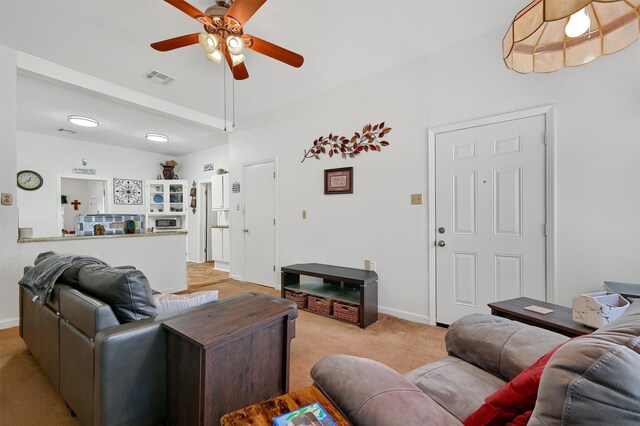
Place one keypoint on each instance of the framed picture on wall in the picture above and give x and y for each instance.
(338, 181)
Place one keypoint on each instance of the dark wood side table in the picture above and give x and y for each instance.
(261, 414)
(229, 355)
(560, 320)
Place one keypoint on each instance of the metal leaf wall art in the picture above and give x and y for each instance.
(371, 139)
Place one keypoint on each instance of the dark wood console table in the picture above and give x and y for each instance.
(560, 320)
(349, 285)
(229, 355)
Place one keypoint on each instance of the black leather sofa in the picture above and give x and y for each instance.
(108, 371)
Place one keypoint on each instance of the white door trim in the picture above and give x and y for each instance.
(273, 160)
(549, 113)
(108, 187)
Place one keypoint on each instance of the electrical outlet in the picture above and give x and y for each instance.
(304, 214)
(373, 266)
(7, 199)
(367, 264)
(416, 198)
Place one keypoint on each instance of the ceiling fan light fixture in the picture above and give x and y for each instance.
(215, 56)
(79, 120)
(237, 59)
(209, 42)
(156, 137)
(235, 45)
(578, 24)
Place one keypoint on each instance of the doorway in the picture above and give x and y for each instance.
(207, 220)
(489, 210)
(80, 196)
(260, 227)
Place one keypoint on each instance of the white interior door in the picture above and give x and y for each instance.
(260, 224)
(490, 216)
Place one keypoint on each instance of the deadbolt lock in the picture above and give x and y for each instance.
(442, 230)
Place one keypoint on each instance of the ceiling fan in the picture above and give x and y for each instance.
(224, 37)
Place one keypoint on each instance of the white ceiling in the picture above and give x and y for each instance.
(340, 40)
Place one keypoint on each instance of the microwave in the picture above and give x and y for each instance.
(168, 223)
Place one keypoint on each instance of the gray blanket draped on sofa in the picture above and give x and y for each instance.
(48, 268)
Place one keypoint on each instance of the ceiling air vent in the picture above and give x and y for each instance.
(158, 77)
(61, 130)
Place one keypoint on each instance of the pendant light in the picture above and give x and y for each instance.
(550, 34)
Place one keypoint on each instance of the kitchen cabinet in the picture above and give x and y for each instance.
(166, 198)
(220, 192)
(220, 244)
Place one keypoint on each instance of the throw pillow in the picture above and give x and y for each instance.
(167, 303)
(513, 403)
(126, 291)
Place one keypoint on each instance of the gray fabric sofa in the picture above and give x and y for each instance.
(591, 380)
(109, 371)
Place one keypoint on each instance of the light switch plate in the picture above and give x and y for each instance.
(416, 198)
(7, 199)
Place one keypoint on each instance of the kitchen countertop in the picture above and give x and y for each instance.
(220, 226)
(71, 237)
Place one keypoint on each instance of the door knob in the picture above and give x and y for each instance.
(245, 230)
(441, 243)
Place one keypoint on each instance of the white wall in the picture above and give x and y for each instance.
(10, 268)
(598, 198)
(53, 157)
(193, 167)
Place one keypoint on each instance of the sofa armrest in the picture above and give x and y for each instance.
(369, 393)
(498, 345)
(130, 374)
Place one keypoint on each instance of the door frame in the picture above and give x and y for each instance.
(108, 188)
(202, 209)
(548, 111)
(276, 260)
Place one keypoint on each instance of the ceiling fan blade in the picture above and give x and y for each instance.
(190, 10)
(239, 71)
(241, 10)
(174, 43)
(276, 52)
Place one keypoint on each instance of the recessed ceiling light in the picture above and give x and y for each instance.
(156, 137)
(83, 121)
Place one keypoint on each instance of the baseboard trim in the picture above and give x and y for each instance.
(236, 277)
(9, 322)
(409, 316)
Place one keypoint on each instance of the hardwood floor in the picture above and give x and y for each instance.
(201, 274)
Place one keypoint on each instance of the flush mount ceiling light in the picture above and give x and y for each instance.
(79, 120)
(550, 34)
(156, 137)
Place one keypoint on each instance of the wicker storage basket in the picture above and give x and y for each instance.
(346, 312)
(299, 298)
(320, 305)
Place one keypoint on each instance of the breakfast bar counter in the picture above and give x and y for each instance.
(72, 237)
(161, 256)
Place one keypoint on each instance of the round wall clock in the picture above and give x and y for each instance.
(29, 180)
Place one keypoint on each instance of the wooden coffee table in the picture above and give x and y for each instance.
(262, 414)
(560, 320)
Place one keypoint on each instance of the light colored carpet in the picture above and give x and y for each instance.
(27, 397)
